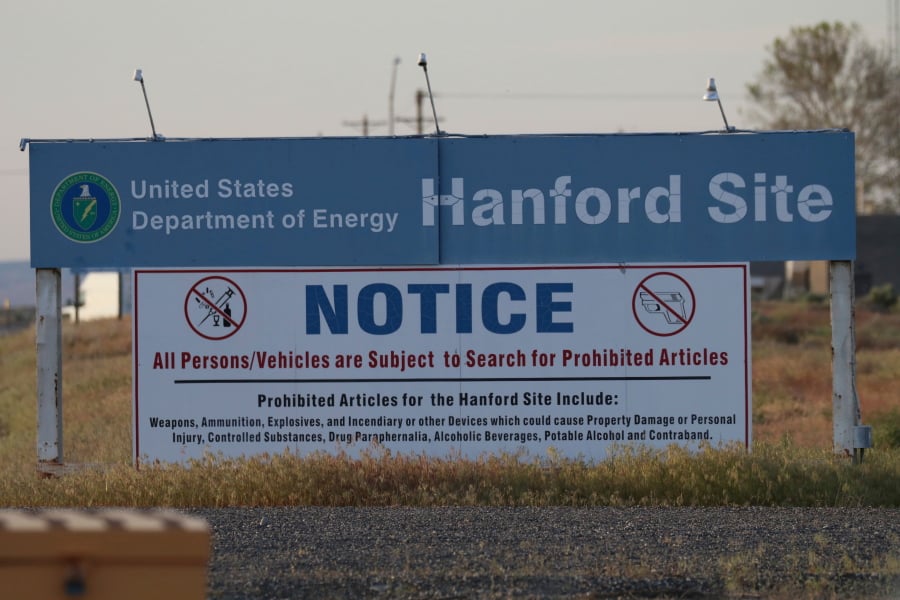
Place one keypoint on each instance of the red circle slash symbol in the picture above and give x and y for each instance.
(215, 307)
(663, 304)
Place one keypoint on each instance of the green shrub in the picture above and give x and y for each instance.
(815, 298)
(886, 430)
(882, 297)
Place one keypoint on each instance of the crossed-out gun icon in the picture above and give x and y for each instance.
(672, 310)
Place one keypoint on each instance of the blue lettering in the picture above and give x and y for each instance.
(428, 303)
(546, 307)
(380, 307)
(317, 304)
(365, 309)
(464, 308)
(490, 307)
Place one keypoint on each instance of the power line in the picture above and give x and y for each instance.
(610, 96)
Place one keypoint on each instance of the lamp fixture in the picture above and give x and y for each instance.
(712, 95)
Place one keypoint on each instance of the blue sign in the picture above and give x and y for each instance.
(230, 202)
(449, 200)
(640, 198)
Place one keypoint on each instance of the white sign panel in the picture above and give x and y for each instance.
(440, 361)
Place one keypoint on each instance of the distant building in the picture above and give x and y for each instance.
(767, 279)
(877, 259)
(877, 252)
(101, 295)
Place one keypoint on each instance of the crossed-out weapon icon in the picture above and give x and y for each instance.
(219, 310)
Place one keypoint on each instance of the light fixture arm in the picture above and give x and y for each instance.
(722, 110)
(149, 114)
(139, 77)
(423, 62)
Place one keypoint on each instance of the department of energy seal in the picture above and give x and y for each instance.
(85, 207)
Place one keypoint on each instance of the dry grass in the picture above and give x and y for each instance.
(792, 371)
(791, 463)
(770, 476)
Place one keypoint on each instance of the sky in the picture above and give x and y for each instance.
(298, 68)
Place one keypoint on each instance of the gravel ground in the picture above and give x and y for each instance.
(482, 552)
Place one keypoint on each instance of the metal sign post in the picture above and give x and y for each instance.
(48, 336)
(850, 438)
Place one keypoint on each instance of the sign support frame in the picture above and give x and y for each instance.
(845, 401)
(849, 436)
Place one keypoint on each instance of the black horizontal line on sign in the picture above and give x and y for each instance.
(448, 379)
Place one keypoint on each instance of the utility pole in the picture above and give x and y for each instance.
(420, 98)
(364, 124)
(418, 120)
(391, 97)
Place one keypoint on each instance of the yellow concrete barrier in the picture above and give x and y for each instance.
(106, 554)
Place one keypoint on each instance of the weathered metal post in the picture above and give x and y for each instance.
(48, 336)
(850, 438)
(120, 287)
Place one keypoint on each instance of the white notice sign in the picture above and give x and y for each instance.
(440, 361)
